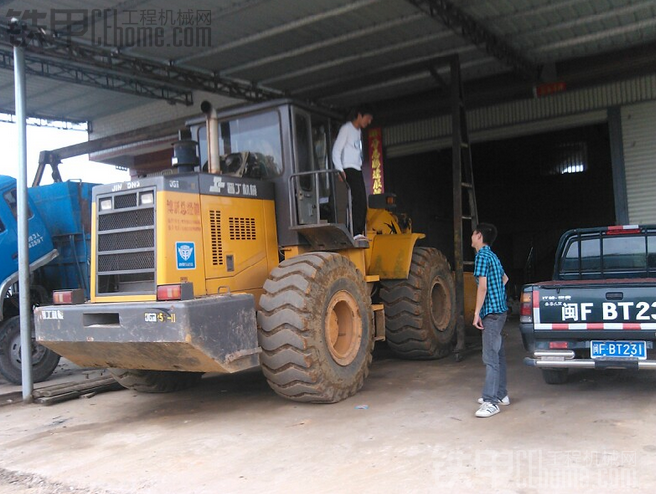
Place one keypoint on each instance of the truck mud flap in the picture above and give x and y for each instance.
(212, 334)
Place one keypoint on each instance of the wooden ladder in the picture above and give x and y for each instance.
(463, 182)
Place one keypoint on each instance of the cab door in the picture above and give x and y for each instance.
(305, 186)
(320, 197)
(39, 241)
(8, 243)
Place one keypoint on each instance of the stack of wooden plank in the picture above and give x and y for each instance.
(49, 395)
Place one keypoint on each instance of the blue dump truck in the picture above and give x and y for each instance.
(59, 236)
(599, 311)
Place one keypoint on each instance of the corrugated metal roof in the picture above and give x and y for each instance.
(309, 48)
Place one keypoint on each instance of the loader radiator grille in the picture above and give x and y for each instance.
(242, 228)
(125, 262)
(125, 201)
(126, 246)
(126, 240)
(215, 233)
(126, 219)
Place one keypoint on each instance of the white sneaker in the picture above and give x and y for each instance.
(360, 237)
(505, 402)
(487, 410)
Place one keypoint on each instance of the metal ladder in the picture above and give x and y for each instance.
(463, 182)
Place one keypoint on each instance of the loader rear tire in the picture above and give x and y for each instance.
(315, 328)
(44, 360)
(420, 312)
(151, 381)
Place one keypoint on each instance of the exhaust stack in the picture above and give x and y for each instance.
(212, 137)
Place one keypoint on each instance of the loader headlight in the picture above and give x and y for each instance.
(146, 198)
(105, 204)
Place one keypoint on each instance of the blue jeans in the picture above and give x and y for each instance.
(494, 358)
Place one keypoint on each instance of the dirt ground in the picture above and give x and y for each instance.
(410, 430)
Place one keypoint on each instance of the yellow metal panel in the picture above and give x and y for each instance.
(391, 255)
(179, 220)
(240, 242)
(271, 232)
(382, 222)
(357, 257)
(470, 296)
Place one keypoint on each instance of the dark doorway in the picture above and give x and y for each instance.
(533, 188)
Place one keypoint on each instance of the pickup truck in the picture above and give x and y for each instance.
(599, 311)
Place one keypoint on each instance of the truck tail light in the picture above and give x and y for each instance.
(621, 230)
(526, 307)
(68, 297)
(558, 345)
(181, 291)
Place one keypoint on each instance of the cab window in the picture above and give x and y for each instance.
(12, 201)
(610, 256)
(248, 146)
(252, 145)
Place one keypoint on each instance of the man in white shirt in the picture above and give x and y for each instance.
(347, 158)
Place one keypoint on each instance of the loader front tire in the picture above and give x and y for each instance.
(420, 312)
(151, 381)
(315, 328)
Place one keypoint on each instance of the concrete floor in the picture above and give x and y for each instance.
(411, 429)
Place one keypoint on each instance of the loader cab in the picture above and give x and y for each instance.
(289, 144)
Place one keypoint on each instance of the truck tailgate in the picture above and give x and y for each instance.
(595, 306)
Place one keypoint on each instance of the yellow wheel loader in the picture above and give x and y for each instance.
(242, 255)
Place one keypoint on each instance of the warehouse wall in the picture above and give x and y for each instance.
(562, 110)
(639, 142)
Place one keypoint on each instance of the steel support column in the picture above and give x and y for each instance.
(16, 34)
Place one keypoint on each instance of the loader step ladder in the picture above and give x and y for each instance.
(463, 182)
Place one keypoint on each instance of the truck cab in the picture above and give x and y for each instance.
(40, 245)
(58, 245)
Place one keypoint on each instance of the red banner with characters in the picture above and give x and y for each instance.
(373, 172)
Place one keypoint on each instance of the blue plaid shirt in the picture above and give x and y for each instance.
(487, 264)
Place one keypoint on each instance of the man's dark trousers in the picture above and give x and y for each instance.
(358, 199)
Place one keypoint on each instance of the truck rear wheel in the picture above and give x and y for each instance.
(44, 361)
(315, 328)
(151, 381)
(554, 376)
(420, 312)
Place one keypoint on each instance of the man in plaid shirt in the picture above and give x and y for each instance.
(489, 317)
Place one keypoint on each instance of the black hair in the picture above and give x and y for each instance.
(488, 231)
(363, 109)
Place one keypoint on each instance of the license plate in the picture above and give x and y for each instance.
(618, 349)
